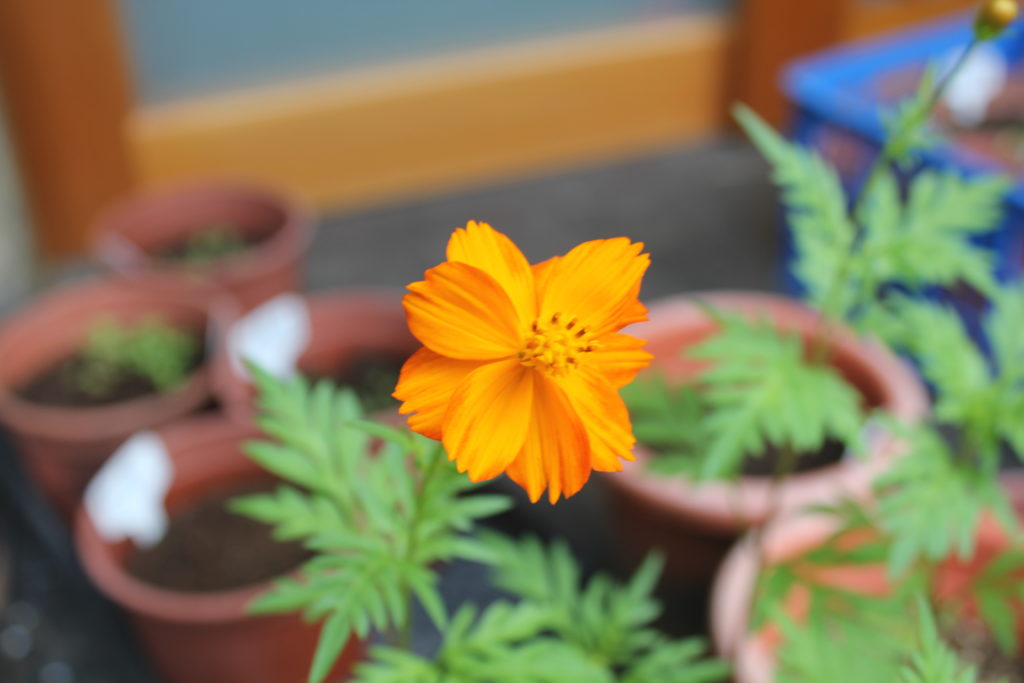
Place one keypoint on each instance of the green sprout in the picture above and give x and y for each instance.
(212, 244)
(149, 348)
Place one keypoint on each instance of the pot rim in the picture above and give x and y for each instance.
(292, 238)
(109, 574)
(106, 421)
(729, 507)
(231, 388)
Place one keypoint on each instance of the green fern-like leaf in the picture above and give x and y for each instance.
(378, 522)
(926, 241)
(932, 661)
(922, 242)
(504, 643)
(982, 399)
(930, 503)
(887, 647)
(1003, 327)
(761, 390)
(815, 205)
(998, 593)
(607, 621)
(907, 131)
(836, 650)
(853, 544)
(668, 420)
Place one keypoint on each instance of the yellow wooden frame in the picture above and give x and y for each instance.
(411, 129)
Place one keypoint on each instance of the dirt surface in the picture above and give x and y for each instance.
(764, 465)
(973, 643)
(212, 245)
(57, 386)
(209, 548)
(373, 376)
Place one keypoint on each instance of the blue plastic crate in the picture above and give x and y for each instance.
(839, 97)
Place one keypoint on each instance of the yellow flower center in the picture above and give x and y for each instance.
(556, 345)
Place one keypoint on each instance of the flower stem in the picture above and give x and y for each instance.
(784, 467)
(404, 636)
(887, 155)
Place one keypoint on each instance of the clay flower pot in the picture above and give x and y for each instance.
(63, 446)
(206, 637)
(319, 335)
(132, 235)
(753, 654)
(695, 524)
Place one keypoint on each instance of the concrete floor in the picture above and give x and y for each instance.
(707, 215)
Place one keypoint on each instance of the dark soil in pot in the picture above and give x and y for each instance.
(243, 239)
(765, 464)
(973, 643)
(209, 548)
(373, 376)
(208, 245)
(58, 386)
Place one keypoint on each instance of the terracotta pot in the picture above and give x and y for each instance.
(205, 637)
(342, 326)
(753, 654)
(696, 524)
(63, 446)
(130, 235)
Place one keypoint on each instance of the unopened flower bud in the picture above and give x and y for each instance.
(993, 17)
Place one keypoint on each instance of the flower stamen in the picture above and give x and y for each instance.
(555, 348)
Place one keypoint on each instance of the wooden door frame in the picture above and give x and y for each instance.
(67, 96)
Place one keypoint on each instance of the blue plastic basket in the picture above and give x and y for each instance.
(839, 97)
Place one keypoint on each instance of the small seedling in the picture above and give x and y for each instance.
(149, 348)
(211, 244)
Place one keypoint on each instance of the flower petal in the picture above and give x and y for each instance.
(488, 418)
(554, 455)
(542, 271)
(618, 357)
(636, 312)
(425, 386)
(480, 245)
(460, 311)
(597, 282)
(604, 417)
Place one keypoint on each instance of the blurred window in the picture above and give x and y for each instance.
(181, 48)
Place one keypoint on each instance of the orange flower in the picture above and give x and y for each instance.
(520, 366)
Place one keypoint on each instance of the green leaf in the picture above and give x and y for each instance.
(995, 590)
(608, 622)
(927, 241)
(932, 661)
(1003, 328)
(930, 504)
(151, 348)
(668, 420)
(815, 205)
(906, 127)
(761, 390)
(379, 519)
(333, 636)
